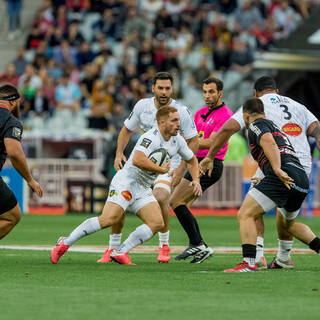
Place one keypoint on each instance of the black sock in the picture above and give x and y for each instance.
(315, 245)
(249, 251)
(189, 224)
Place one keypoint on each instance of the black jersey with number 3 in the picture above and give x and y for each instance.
(10, 127)
(256, 130)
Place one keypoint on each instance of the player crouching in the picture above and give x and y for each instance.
(131, 188)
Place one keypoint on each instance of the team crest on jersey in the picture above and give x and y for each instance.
(127, 195)
(16, 132)
(113, 193)
(292, 129)
(145, 142)
(201, 134)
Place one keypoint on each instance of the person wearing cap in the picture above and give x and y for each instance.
(10, 145)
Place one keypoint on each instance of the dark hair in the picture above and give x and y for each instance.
(162, 76)
(164, 112)
(265, 83)
(218, 82)
(253, 106)
(8, 92)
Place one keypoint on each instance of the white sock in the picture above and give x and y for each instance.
(260, 248)
(163, 238)
(86, 227)
(138, 236)
(284, 249)
(115, 240)
(251, 261)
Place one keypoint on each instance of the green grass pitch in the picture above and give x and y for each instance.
(79, 288)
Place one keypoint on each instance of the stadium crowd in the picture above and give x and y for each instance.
(99, 56)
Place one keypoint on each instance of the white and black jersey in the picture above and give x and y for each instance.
(149, 142)
(143, 117)
(292, 118)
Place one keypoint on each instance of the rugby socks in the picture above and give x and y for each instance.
(138, 236)
(284, 249)
(115, 240)
(315, 245)
(189, 224)
(249, 252)
(163, 238)
(260, 248)
(85, 228)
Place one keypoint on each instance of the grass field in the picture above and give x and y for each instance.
(79, 288)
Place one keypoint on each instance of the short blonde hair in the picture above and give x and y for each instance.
(164, 112)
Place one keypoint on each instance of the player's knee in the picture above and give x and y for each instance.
(174, 203)
(161, 196)
(156, 225)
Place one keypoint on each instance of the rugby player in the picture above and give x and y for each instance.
(131, 187)
(285, 185)
(10, 145)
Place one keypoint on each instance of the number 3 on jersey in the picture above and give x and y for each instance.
(285, 110)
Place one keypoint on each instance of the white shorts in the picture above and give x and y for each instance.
(127, 193)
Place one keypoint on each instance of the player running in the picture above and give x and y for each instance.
(131, 187)
(208, 121)
(285, 185)
(143, 116)
(10, 145)
(297, 122)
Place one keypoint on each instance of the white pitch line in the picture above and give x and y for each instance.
(141, 249)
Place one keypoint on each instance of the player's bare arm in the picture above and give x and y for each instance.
(206, 143)
(141, 161)
(271, 151)
(18, 160)
(314, 131)
(194, 172)
(227, 130)
(123, 140)
(177, 173)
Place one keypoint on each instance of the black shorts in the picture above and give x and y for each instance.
(205, 180)
(291, 200)
(7, 198)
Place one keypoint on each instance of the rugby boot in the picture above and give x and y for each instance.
(277, 263)
(164, 254)
(59, 250)
(106, 256)
(242, 267)
(121, 258)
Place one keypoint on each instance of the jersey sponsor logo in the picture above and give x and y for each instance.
(127, 195)
(255, 129)
(16, 132)
(292, 129)
(113, 193)
(201, 134)
(145, 142)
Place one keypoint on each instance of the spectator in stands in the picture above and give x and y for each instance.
(201, 73)
(227, 6)
(30, 79)
(68, 94)
(286, 18)
(14, 11)
(10, 75)
(74, 36)
(221, 55)
(53, 69)
(261, 6)
(55, 36)
(91, 74)
(101, 106)
(175, 7)
(246, 16)
(241, 58)
(145, 56)
(48, 91)
(62, 18)
(108, 25)
(109, 64)
(20, 62)
(77, 5)
(265, 36)
(85, 55)
(64, 54)
(162, 22)
(44, 20)
(134, 23)
(34, 38)
(39, 105)
(150, 8)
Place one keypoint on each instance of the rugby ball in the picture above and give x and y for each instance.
(159, 157)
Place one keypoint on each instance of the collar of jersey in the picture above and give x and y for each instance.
(205, 116)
